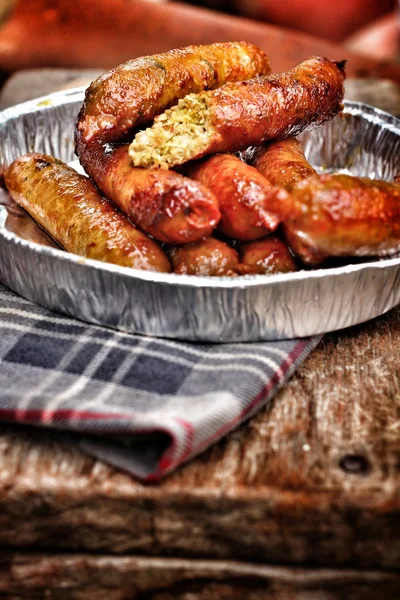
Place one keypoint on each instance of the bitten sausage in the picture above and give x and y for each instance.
(283, 162)
(243, 196)
(268, 256)
(172, 208)
(69, 208)
(207, 257)
(242, 114)
(132, 94)
(341, 215)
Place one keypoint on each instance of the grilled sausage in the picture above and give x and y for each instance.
(268, 256)
(330, 215)
(243, 196)
(207, 257)
(172, 208)
(69, 208)
(242, 114)
(341, 215)
(283, 162)
(132, 94)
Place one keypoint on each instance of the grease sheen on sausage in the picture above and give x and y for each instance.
(210, 257)
(130, 96)
(268, 256)
(172, 208)
(329, 215)
(243, 196)
(238, 115)
(283, 162)
(68, 206)
(341, 215)
(133, 93)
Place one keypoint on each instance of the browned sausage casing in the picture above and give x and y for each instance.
(243, 196)
(169, 207)
(268, 256)
(207, 257)
(69, 208)
(132, 94)
(172, 208)
(340, 215)
(242, 114)
(283, 162)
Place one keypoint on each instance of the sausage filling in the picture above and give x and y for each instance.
(176, 135)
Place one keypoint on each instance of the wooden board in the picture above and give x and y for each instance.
(89, 577)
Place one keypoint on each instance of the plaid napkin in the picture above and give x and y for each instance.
(143, 404)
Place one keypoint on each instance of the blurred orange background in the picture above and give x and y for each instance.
(103, 33)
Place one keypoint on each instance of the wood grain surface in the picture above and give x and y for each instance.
(312, 480)
(83, 33)
(89, 577)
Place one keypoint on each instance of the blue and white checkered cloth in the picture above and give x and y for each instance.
(143, 404)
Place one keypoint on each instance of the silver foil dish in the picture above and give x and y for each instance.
(364, 141)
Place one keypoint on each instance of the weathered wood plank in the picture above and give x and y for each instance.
(313, 479)
(81, 577)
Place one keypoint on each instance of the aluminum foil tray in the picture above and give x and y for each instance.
(364, 141)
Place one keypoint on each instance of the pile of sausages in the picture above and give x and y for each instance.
(249, 204)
